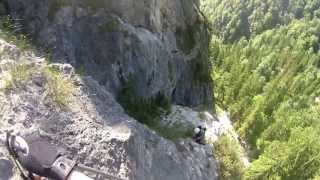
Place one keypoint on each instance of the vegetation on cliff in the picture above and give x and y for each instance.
(267, 74)
(227, 152)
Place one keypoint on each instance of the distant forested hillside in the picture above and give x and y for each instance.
(233, 19)
(267, 74)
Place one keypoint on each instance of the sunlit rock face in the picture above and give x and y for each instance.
(92, 128)
(162, 46)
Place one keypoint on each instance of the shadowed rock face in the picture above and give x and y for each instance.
(161, 45)
(93, 128)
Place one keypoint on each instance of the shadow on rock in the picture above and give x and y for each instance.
(6, 169)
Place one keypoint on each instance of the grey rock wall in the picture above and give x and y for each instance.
(93, 128)
(161, 45)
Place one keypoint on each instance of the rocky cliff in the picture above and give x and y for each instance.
(92, 127)
(161, 45)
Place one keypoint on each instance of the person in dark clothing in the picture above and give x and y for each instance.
(199, 135)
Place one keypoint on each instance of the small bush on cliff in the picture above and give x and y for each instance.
(59, 87)
(145, 110)
(112, 25)
(227, 152)
(9, 32)
(149, 110)
(18, 75)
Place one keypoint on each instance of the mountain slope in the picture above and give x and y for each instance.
(88, 122)
(233, 20)
(269, 81)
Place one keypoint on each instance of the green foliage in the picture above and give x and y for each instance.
(7, 32)
(234, 19)
(317, 176)
(227, 151)
(149, 110)
(96, 4)
(269, 83)
(297, 158)
(254, 78)
(112, 25)
(60, 88)
(18, 76)
(145, 110)
(186, 38)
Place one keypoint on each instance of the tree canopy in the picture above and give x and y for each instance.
(233, 19)
(267, 75)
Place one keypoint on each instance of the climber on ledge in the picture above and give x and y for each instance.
(199, 135)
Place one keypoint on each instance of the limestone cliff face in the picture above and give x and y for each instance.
(161, 45)
(93, 127)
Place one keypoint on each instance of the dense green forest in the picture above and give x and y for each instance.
(233, 19)
(267, 75)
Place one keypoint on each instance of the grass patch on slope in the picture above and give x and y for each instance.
(228, 154)
(59, 87)
(18, 76)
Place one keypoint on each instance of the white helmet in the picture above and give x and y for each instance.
(196, 130)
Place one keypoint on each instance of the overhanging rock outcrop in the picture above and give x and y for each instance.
(160, 45)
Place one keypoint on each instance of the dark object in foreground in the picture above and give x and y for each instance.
(33, 155)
